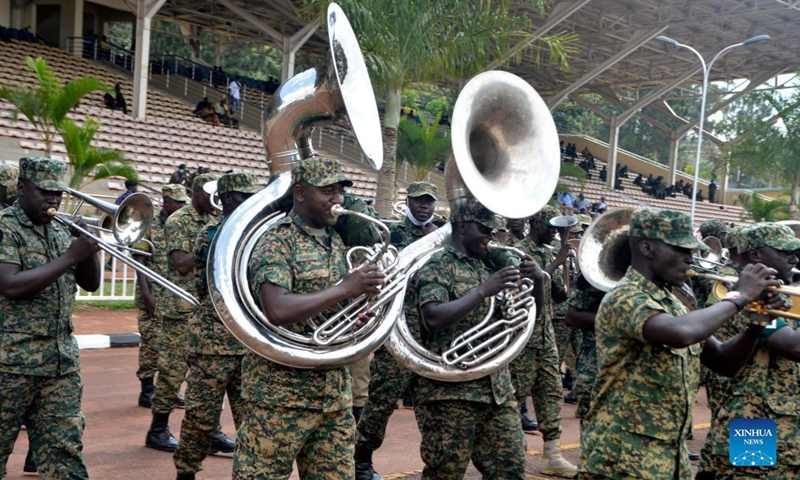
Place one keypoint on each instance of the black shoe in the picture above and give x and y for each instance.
(146, 395)
(408, 402)
(221, 443)
(694, 456)
(185, 476)
(706, 476)
(364, 471)
(30, 463)
(690, 436)
(528, 423)
(570, 398)
(566, 381)
(159, 436)
(357, 413)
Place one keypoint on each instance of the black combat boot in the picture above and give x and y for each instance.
(146, 395)
(357, 413)
(221, 443)
(364, 470)
(185, 476)
(159, 436)
(528, 423)
(30, 463)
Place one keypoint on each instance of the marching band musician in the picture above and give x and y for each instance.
(216, 358)
(649, 351)
(474, 420)
(297, 272)
(40, 269)
(768, 386)
(389, 380)
(173, 198)
(8, 185)
(181, 229)
(583, 304)
(536, 371)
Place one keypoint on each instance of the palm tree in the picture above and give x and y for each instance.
(47, 106)
(89, 163)
(761, 210)
(443, 40)
(421, 146)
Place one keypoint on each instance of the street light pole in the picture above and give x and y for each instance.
(703, 91)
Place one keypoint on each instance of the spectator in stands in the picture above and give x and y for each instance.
(618, 184)
(638, 180)
(585, 152)
(601, 206)
(131, 187)
(603, 174)
(234, 88)
(699, 195)
(227, 115)
(582, 203)
(116, 101)
(180, 175)
(712, 191)
(623, 172)
(104, 50)
(565, 202)
(205, 110)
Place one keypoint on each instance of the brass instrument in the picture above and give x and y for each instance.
(603, 253)
(211, 189)
(505, 155)
(563, 224)
(720, 290)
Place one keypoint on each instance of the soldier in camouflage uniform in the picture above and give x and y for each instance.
(174, 197)
(565, 335)
(181, 229)
(583, 305)
(536, 371)
(8, 185)
(40, 265)
(389, 380)
(649, 352)
(297, 272)
(474, 420)
(769, 384)
(516, 231)
(216, 358)
(702, 286)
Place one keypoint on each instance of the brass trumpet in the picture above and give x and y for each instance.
(720, 290)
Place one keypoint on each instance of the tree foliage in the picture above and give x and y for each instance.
(421, 145)
(758, 209)
(90, 163)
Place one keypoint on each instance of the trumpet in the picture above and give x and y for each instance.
(720, 290)
(563, 224)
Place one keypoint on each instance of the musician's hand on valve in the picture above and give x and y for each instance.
(364, 317)
(774, 301)
(499, 281)
(364, 280)
(563, 255)
(754, 279)
(530, 269)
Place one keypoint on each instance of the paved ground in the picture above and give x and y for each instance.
(115, 430)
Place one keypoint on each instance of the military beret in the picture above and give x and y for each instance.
(320, 172)
(45, 173)
(669, 226)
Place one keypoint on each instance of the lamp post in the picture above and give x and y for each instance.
(704, 89)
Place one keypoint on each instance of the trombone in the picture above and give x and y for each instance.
(130, 222)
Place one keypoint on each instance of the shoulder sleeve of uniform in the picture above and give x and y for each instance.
(497, 258)
(201, 244)
(9, 243)
(271, 259)
(173, 232)
(627, 310)
(433, 281)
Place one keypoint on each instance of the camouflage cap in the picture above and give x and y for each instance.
(577, 228)
(175, 192)
(419, 189)
(669, 226)
(202, 179)
(45, 173)
(320, 172)
(546, 214)
(735, 237)
(779, 237)
(237, 182)
(585, 220)
(471, 210)
(714, 228)
(9, 174)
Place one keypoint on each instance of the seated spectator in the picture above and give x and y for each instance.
(565, 201)
(699, 195)
(205, 110)
(585, 152)
(650, 181)
(623, 172)
(582, 203)
(179, 176)
(131, 187)
(601, 206)
(618, 184)
(603, 174)
(638, 180)
(116, 101)
(227, 115)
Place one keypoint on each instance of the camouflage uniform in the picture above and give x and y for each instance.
(9, 175)
(702, 286)
(585, 298)
(40, 380)
(181, 230)
(642, 401)
(216, 355)
(389, 380)
(768, 386)
(536, 371)
(296, 414)
(476, 420)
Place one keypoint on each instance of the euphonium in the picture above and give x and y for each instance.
(340, 94)
(505, 154)
(603, 255)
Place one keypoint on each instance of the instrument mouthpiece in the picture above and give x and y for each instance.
(52, 212)
(338, 210)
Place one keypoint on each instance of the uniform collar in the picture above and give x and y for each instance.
(648, 287)
(22, 217)
(302, 225)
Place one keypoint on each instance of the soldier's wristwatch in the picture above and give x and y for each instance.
(737, 299)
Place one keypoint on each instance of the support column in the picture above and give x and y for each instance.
(145, 11)
(613, 146)
(290, 47)
(722, 191)
(71, 21)
(5, 13)
(672, 164)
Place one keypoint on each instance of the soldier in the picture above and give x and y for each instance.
(516, 231)
(217, 355)
(701, 286)
(768, 387)
(536, 371)
(649, 353)
(181, 228)
(8, 185)
(474, 420)
(582, 309)
(174, 197)
(389, 380)
(40, 265)
(297, 272)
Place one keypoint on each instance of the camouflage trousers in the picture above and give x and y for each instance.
(272, 437)
(535, 372)
(711, 382)
(50, 407)
(388, 382)
(210, 378)
(359, 372)
(585, 375)
(457, 431)
(725, 471)
(149, 334)
(173, 349)
(562, 332)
